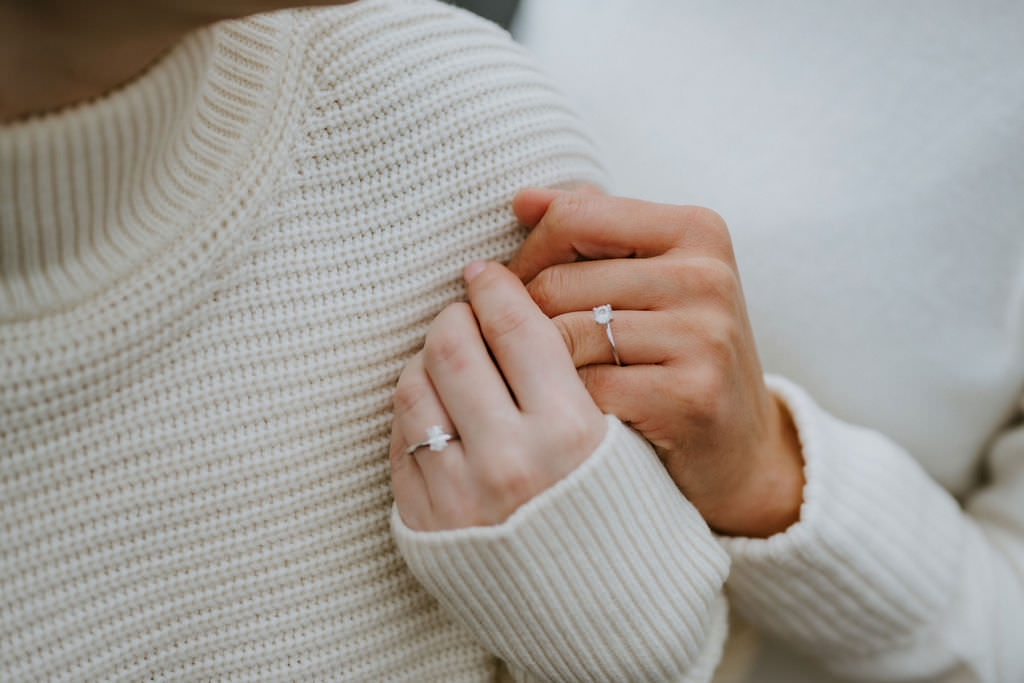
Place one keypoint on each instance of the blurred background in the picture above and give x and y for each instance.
(498, 11)
(843, 135)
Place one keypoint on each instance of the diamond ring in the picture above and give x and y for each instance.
(437, 440)
(603, 315)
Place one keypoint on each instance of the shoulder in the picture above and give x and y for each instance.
(423, 82)
(411, 34)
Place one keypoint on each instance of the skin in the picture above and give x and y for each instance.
(521, 428)
(681, 322)
(57, 53)
(692, 383)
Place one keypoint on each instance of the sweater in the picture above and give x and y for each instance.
(870, 165)
(211, 279)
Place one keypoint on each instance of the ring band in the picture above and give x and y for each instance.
(437, 440)
(603, 315)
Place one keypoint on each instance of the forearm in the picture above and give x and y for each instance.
(609, 575)
(884, 577)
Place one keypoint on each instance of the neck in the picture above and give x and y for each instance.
(89, 194)
(54, 54)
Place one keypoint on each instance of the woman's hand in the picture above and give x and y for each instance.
(521, 425)
(691, 381)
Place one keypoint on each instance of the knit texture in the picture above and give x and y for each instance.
(883, 570)
(832, 580)
(611, 585)
(870, 166)
(211, 281)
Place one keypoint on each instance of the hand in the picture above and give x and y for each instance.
(514, 440)
(691, 383)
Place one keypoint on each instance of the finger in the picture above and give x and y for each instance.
(468, 384)
(408, 485)
(590, 226)
(530, 203)
(626, 392)
(641, 338)
(446, 475)
(637, 284)
(524, 342)
(416, 407)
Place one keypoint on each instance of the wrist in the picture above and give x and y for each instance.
(769, 501)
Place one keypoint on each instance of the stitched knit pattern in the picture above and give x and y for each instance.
(637, 597)
(211, 280)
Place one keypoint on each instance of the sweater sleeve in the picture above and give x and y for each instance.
(610, 575)
(885, 576)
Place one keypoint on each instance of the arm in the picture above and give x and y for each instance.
(885, 576)
(588, 581)
(841, 544)
(549, 530)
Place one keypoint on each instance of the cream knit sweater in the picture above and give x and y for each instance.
(869, 159)
(210, 282)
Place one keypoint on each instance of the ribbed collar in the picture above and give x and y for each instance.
(90, 193)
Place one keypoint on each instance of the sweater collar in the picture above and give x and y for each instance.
(90, 193)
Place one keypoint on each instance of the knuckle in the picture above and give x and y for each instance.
(444, 349)
(446, 339)
(409, 394)
(518, 485)
(573, 432)
(544, 288)
(708, 218)
(568, 209)
(510, 483)
(711, 226)
(506, 323)
(722, 339)
(712, 278)
(706, 394)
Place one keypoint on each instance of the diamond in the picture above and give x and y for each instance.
(437, 439)
(603, 314)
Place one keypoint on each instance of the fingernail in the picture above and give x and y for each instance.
(473, 269)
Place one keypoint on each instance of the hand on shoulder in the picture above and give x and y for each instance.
(522, 418)
(690, 379)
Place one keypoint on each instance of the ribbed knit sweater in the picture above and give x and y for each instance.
(869, 160)
(210, 282)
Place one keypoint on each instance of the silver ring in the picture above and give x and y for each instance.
(437, 440)
(603, 315)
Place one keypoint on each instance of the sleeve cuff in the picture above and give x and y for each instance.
(611, 574)
(874, 556)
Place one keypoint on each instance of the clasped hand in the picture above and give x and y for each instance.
(691, 381)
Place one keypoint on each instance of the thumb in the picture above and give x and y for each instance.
(531, 203)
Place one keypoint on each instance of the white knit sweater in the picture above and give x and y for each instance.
(210, 282)
(869, 159)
